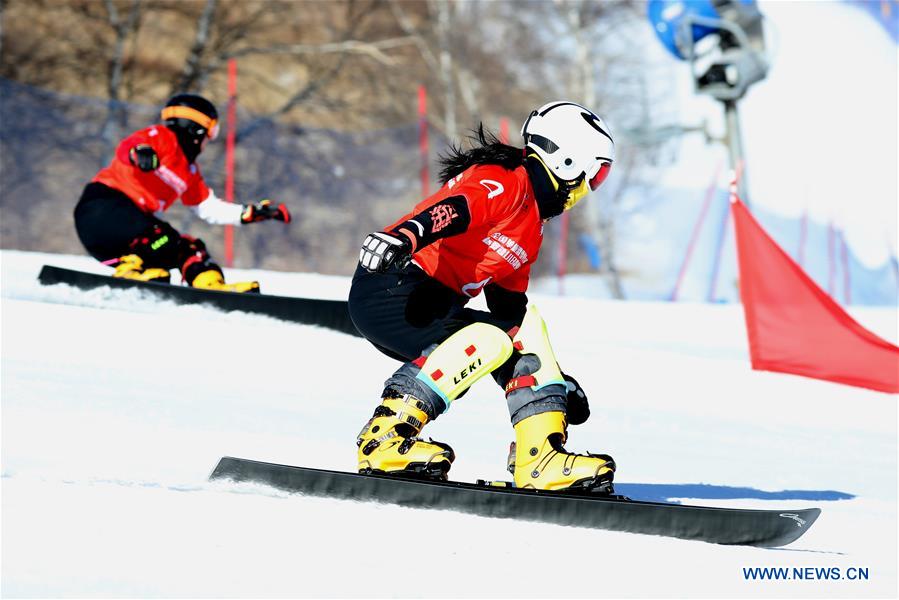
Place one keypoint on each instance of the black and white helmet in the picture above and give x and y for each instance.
(194, 114)
(575, 145)
(194, 120)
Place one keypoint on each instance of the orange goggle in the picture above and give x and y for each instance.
(578, 188)
(191, 114)
(600, 176)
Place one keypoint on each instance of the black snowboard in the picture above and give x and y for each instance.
(766, 528)
(331, 314)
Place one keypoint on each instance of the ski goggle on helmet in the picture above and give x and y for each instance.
(574, 145)
(193, 113)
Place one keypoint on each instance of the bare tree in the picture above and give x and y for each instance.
(122, 26)
(442, 8)
(191, 75)
(318, 78)
(2, 10)
(583, 23)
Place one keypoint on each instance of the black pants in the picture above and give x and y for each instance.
(110, 226)
(404, 311)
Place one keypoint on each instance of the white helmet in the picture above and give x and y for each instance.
(573, 143)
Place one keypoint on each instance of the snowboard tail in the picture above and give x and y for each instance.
(766, 528)
(332, 314)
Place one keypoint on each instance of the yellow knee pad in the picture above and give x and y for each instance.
(463, 358)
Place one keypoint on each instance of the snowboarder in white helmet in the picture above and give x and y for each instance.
(575, 147)
(480, 232)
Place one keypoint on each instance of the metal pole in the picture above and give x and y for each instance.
(844, 262)
(716, 265)
(697, 228)
(230, 141)
(895, 264)
(803, 234)
(831, 262)
(735, 148)
(423, 139)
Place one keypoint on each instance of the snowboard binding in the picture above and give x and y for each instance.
(590, 486)
(538, 459)
(596, 486)
(428, 471)
(389, 442)
(131, 266)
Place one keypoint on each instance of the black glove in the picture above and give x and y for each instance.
(265, 210)
(144, 157)
(578, 408)
(381, 250)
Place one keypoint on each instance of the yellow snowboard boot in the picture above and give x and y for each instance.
(542, 463)
(131, 266)
(387, 444)
(212, 279)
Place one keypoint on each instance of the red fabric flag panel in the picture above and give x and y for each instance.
(795, 327)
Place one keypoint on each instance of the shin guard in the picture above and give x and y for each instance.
(537, 384)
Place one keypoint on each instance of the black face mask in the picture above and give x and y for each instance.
(191, 144)
(550, 202)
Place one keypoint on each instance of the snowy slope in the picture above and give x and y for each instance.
(115, 409)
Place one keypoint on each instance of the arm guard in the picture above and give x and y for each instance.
(448, 217)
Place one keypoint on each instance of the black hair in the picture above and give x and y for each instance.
(486, 150)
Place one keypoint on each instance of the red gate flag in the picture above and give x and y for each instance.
(795, 327)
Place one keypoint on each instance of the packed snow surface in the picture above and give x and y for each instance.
(116, 407)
